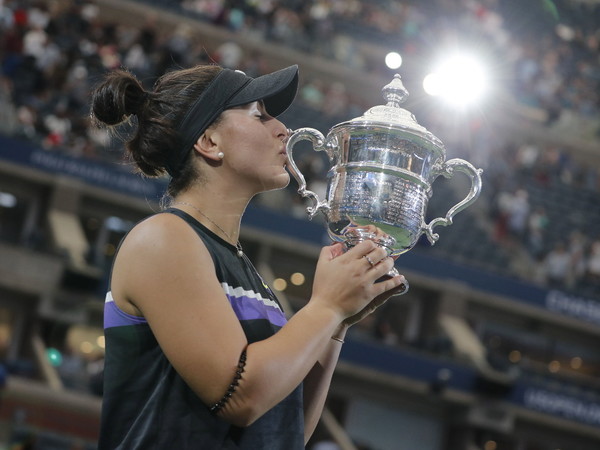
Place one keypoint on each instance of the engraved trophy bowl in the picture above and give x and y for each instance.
(383, 165)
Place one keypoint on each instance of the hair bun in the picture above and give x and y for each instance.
(119, 96)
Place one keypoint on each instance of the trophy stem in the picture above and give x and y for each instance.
(355, 236)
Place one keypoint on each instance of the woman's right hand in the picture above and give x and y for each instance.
(346, 281)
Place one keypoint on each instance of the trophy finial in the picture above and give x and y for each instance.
(395, 93)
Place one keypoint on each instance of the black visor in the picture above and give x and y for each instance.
(231, 88)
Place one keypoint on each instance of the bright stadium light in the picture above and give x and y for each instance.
(459, 80)
(7, 200)
(393, 60)
(433, 84)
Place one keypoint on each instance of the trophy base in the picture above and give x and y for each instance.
(403, 287)
(356, 235)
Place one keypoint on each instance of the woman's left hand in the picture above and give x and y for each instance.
(375, 303)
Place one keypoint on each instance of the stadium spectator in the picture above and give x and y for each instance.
(593, 262)
(557, 266)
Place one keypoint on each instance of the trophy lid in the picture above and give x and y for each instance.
(393, 116)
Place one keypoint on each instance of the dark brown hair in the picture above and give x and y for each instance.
(120, 95)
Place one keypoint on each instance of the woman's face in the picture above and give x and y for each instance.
(254, 146)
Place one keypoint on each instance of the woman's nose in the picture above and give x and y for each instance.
(282, 131)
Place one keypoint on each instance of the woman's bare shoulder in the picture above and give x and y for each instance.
(157, 248)
(158, 233)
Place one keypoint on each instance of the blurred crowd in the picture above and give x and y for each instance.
(548, 49)
(541, 203)
(51, 53)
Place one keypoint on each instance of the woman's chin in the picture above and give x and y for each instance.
(279, 181)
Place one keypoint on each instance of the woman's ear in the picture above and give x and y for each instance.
(207, 145)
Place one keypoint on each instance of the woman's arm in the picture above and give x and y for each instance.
(317, 382)
(166, 273)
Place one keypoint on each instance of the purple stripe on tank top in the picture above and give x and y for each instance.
(247, 308)
(114, 317)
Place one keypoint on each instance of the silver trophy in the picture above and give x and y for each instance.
(383, 165)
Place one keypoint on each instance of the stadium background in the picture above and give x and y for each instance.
(494, 347)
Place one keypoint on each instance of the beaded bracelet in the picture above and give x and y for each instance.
(214, 409)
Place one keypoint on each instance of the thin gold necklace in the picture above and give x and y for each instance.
(238, 246)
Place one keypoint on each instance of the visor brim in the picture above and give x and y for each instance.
(277, 90)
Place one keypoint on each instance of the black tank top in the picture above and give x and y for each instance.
(147, 405)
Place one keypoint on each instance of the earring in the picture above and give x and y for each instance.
(220, 155)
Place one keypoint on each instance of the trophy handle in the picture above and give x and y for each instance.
(318, 142)
(447, 170)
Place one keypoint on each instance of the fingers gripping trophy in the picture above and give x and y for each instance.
(383, 165)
